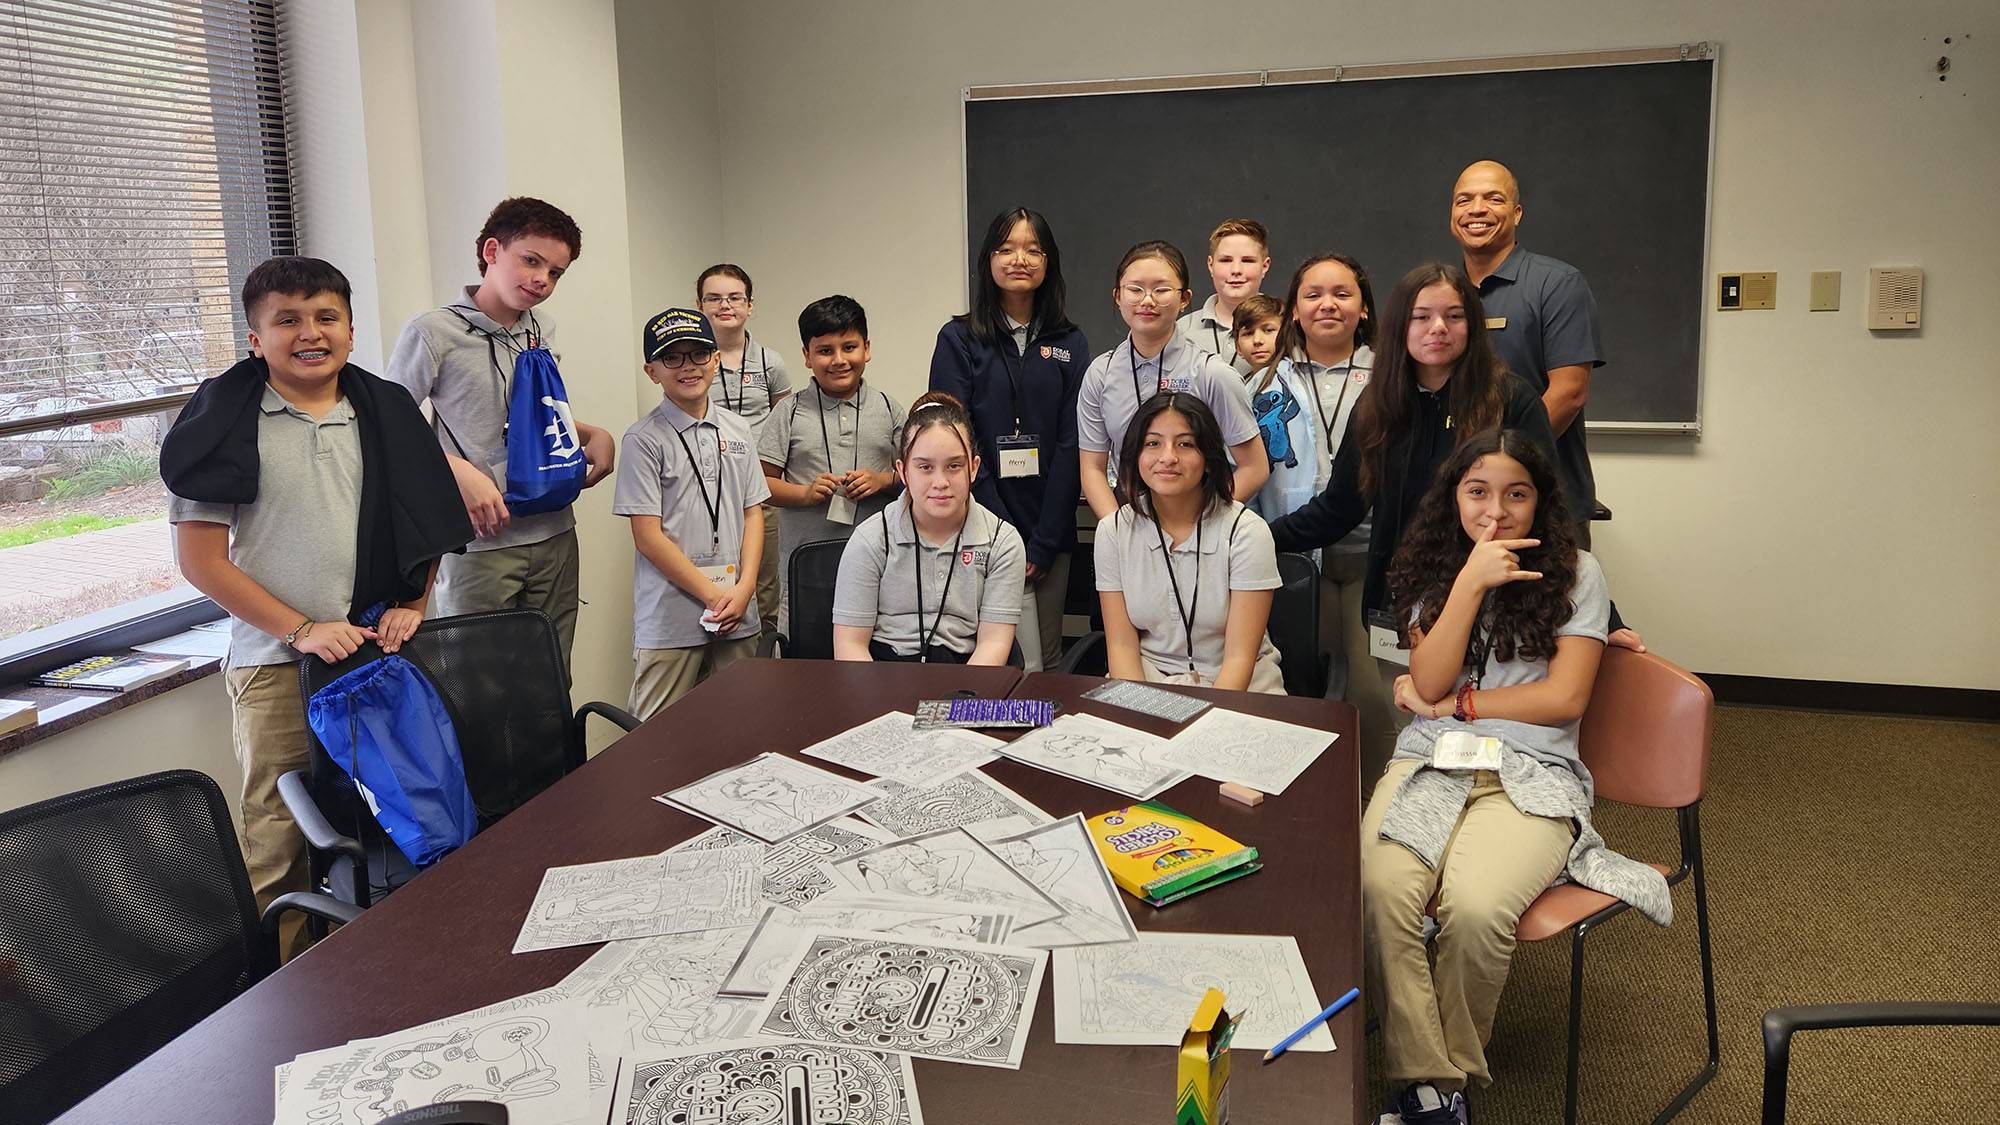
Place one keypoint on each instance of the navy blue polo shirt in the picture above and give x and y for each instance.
(1550, 321)
(1035, 391)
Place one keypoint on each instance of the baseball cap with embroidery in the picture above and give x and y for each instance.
(672, 326)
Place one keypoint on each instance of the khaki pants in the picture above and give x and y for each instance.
(767, 576)
(662, 675)
(540, 576)
(1437, 1005)
(267, 722)
(1040, 631)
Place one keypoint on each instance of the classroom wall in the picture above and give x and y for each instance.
(186, 728)
(1833, 522)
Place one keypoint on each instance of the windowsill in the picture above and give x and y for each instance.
(100, 702)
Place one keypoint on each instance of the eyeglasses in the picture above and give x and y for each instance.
(733, 300)
(1161, 294)
(1028, 253)
(674, 360)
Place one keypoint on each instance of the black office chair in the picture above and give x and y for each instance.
(1780, 1024)
(125, 918)
(1294, 631)
(809, 592)
(500, 675)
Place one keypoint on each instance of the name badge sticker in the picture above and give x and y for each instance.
(1383, 641)
(1495, 322)
(1464, 750)
(1020, 456)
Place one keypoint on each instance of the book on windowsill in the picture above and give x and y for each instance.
(113, 673)
(17, 714)
(1160, 856)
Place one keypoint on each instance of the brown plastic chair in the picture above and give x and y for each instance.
(1645, 740)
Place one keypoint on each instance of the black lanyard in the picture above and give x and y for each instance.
(1215, 336)
(917, 560)
(1482, 643)
(860, 389)
(743, 370)
(1139, 400)
(1193, 605)
(713, 507)
(1015, 360)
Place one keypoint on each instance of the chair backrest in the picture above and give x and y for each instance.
(125, 918)
(1294, 627)
(1645, 734)
(500, 675)
(815, 567)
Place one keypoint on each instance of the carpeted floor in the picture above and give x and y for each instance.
(1849, 858)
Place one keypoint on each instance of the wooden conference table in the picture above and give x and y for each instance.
(442, 944)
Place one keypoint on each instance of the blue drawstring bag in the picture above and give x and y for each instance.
(545, 462)
(384, 724)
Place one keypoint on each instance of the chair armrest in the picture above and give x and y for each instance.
(1780, 1024)
(1088, 645)
(779, 644)
(767, 643)
(309, 902)
(618, 715)
(312, 822)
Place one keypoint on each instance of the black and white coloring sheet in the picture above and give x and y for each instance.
(886, 746)
(768, 1084)
(771, 797)
(1142, 992)
(669, 893)
(795, 871)
(947, 866)
(1264, 754)
(649, 995)
(1061, 860)
(933, 999)
(783, 930)
(971, 800)
(1100, 752)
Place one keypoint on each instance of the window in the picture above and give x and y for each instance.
(143, 172)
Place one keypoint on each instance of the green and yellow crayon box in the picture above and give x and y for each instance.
(1201, 1091)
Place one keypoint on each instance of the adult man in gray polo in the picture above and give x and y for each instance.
(1539, 314)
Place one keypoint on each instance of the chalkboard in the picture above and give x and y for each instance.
(1613, 164)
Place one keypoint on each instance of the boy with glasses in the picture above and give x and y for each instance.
(751, 383)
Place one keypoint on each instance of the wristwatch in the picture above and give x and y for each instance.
(292, 638)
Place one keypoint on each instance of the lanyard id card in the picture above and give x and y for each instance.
(840, 508)
(1020, 456)
(1384, 643)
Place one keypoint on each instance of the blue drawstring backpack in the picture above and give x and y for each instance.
(384, 724)
(545, 463)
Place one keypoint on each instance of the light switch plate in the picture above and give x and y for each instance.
(1746, 291)
(1825, 291)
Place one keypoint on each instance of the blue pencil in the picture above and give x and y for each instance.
(1332, 1010)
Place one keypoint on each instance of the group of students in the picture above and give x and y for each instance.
(317, 507)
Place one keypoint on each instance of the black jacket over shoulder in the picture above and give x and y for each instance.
(411, 512)
(1408, 466)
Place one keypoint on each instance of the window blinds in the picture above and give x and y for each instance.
(143, 173)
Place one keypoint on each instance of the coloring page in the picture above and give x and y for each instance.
(950, 866)
(795, 871)
(770, 797)
(1264, 754)
(1144, 991)
(887, 747)
(1060, 859)
(773, 1084)
(670, 893)
(969, 800)
(784, 930)
(933, 999)
(527, 1055)
(645, 996)
(1100, 752)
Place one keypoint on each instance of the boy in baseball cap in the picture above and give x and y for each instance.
(690, 483)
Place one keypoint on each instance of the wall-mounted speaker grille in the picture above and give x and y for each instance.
(1895, 298)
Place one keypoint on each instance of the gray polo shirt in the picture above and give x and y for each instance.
(1205, 329)
(1338, 388)
(750, 391)
(884, 564)
(1129, 562)
(466, 376)
(297, 539)
(1113, 390)
(659, 461)
(1540, 316)
(860, 432)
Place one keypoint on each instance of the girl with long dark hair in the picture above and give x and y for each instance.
(1015, 361)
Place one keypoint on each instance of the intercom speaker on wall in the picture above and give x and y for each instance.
(1746, 291)
(1895, 298)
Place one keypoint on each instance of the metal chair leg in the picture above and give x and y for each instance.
(1691, 843)
(1570, 1087)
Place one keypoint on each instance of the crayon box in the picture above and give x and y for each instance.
(1201, 1089)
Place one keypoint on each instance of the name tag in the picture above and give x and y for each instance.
(1464, 750)
(1020, 456)
(1493, 322)
(840, 509)
(1383, 640)
(723, 575)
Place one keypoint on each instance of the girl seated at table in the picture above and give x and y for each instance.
(935, 576)
(1485, 801)
(1177, 533)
